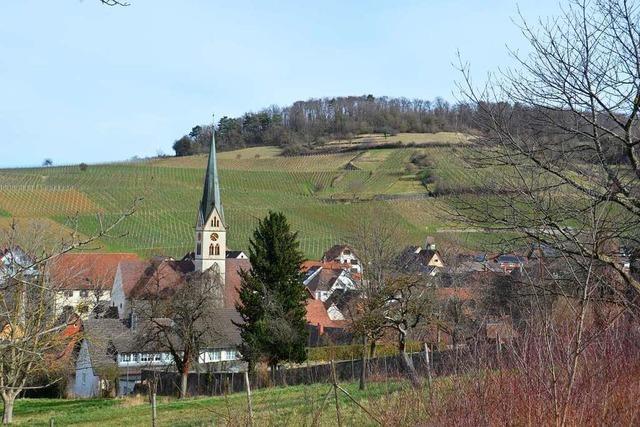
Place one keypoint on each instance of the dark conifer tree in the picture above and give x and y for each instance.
(272, 296)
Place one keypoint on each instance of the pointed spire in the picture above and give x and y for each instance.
(211, 193)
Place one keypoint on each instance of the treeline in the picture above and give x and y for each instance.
(305, 124)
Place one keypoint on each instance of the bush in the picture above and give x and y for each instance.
(420, 159)
(295, 150)
(426, 178)
(83, 166)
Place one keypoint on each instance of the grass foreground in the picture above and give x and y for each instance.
(279, 406)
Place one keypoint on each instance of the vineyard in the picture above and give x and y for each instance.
(322, 196)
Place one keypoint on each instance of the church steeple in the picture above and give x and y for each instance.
(211, 193)
(211, 233)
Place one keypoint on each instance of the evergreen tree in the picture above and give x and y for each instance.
(272, 296)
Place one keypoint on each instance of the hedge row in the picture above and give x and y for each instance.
(354, 351)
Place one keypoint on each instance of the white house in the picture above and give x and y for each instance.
(82, 281)
(343, 254)
(111, 353)
(322, 282)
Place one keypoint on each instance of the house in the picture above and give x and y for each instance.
(14, 260)
(84, 281)
(344, 255)
(111, 354)
(322, 329)
(340, 303)
(509, 263)
(419, 260)
(322, 282)
(136, 279)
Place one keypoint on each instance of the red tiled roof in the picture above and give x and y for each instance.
(162, 275)
(317, 314)
(86, 270)
(130, 273)
(328, 265)
(232, 280)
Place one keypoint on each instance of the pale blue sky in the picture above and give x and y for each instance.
(82, 82)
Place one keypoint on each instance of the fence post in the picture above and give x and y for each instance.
(335, 392)
(250, 407)
(154, 409)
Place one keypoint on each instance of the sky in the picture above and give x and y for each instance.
(84, 82)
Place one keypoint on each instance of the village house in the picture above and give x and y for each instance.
(14, 260)
(419, 260)
(345, 256)
(111, 356)
(510, 263)
(83, 282)
(322, 279)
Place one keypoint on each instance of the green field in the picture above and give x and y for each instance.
(321, 196)
(281, 406)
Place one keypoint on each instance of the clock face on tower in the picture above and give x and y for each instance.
(214, 236)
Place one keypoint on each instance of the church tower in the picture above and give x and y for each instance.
(211, 233)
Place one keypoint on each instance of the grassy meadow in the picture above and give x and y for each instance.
(280, 406)
(322, 195)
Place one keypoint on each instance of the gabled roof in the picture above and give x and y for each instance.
(130, 273)
(211, 193)
(105, 337)
(161, 275)
(324, 280)
(342, 299)
(335, 251)
(415, 259)
(86, 270)
(233, 280)
(317, 314)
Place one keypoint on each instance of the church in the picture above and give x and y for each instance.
(133, 279)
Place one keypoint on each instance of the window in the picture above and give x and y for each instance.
(84, 377)
(84, 293)
(199, 236)
(346, 252)
(354, 261)
(198, 248)
(68, 294)
(231, 354)
(157, 357)
(217, 250)
(211, 249)
(146, 357)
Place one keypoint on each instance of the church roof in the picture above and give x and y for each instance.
(211, 193)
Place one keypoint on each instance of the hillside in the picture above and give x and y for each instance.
(323, 195)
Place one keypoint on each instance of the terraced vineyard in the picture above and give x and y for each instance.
(322, 196)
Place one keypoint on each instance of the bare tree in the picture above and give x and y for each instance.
(390, 299)
(565, 147)
(30, 329)
(115, 3)
(561, 138)
(180, 322)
